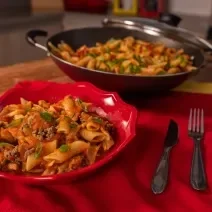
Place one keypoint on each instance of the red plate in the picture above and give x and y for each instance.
(107, 103)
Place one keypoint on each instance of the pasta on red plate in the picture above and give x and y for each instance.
(46, 139)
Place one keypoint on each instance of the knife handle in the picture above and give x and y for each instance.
(161, 176)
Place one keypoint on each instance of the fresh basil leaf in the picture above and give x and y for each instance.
(46, 116)
(64, 148)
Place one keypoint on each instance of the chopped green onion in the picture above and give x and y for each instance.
(121, 71)
(79, 100)
(82, 105)
(110, 64)
(100, 58)
(139, 59)
(73, 125)
(15, 122)
(117, 61)
(97, 120)
(64, 148)
(46, 116)
(134, 69)
(92, 55)
(107, 50)
(161, 72)
(38, 150)
(3, 144)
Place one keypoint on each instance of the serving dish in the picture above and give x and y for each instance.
(120, 29)
(108, 104)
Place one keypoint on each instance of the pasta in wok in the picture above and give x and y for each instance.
(127, 56)
(48, 139)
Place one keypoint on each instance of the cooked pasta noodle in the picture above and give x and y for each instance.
(127, 56)
(47, 139)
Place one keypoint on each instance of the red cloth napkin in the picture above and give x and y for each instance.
(124, 184)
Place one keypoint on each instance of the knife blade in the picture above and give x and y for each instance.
(160, 177)
(171, 138)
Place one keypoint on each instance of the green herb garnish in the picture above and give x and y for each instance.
(28, 110)
(110, 64)
(3, 144)
(64, 148)
(82, 105)
(161, 72)
(183, 61)
(15, 122)
(117, 47)
(73, 125)
(67, 118)
(139, 59)
(167, 66)
(117, 61)
(38, 150)
(121, 71)
(107, 50)
(97, 120)
(46, 116)
(79, 100)
(100, 58)
(134, 69)
(92, 55)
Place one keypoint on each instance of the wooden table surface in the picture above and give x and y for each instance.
(47, 70)
(34, 70)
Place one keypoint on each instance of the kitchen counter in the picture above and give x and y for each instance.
(46, 70)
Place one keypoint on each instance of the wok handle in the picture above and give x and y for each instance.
(32, 34)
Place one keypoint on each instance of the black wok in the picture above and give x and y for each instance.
(111, 81)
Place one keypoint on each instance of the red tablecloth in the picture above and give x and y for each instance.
(124, 184)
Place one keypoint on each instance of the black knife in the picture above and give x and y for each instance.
(160, 178)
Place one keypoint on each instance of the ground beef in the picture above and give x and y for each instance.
(28, 152)
(110, 128)
(12, 155)
(3, 124)
(47, 133)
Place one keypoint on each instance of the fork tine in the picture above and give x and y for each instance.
(202, 122)
(194, 121)
(190, 120)
(198, 120)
